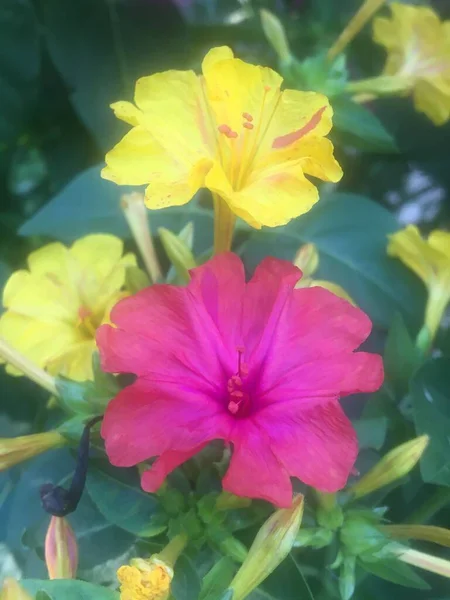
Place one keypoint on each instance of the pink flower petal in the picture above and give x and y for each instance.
(147, 419)
(168, 461)
(255, 471)
(319, 380)
(318, 446)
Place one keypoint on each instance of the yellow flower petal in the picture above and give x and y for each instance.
(413, 250)
(76, 362)
(432, 101)
(125, 111)
(440, 240)
(214, 56)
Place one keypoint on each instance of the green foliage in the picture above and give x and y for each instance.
(431, 409)
(59, 589)
(350, 233)
(395, 571)
(119, 497)
(401, 356)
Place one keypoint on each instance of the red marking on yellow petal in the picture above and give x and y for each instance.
(290, 138)
(248, 125)
(84, 313)
(267, 88)
(247, 116)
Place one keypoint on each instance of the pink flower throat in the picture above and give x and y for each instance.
(239, 402)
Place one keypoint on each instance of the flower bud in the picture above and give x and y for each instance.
(61, 550)
(276, 36)
(430, 563)
(136, 214)
(307, 259)
(12, 590)
(178, 252)
(16, 450)
(270, 547)
(396, 464)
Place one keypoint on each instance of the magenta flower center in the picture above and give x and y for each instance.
(238, 399)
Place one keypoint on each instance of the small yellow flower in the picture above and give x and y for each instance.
(145, 580)
(307, 260)
(418, 47)
(55, 307)
(231, 130)
(430, 260)
(18, 449)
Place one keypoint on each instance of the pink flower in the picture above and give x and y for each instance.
(260, 365)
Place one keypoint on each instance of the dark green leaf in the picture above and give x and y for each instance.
(91, 204)
(350, 233)
(69, 589)
(371, 432)
(430, 392)
(217, 579)
(395, 571)
(186, 582)
(400, 356)
(287, 582)
(41, 595)
(124, 503)
(19, 64)
(358, 126)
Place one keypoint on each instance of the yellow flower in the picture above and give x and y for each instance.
(12, 590)
(231, 130)
(418, 63)
(145, 580)
(307, 260)
(16, 450)
(55, 307)
(430, 260)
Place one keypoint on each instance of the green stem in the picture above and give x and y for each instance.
(174, 548)
(430, 507)
(224, 220)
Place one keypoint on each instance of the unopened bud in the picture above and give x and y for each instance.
(16, 450)
(276, 35)
(270, 547)
(136, 279)
(396, 464)
(61, 550)
(430, 563)
(12, 590)
(307, 259)
(178, 252)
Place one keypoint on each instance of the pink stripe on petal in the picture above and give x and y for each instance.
(294, 136)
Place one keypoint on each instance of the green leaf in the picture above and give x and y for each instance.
(216, 581)
(69, 589)
(287, 582)
(401, 357)
(371, 432)
(91, 204)
(119, 497)
(359, 127)
(430, 393)
(186, 582)
(41, 595)
(350, 233)
(19, 65)
(395, 571)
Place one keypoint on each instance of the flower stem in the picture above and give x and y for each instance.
(224, 220)
(433, 505)
(27, 367)
(354, 26)
(170, 553)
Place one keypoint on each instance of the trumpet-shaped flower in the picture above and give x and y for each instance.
(430, 260)
(260, 365)
(55, 307)
(231, 130)
(418, 63)
(15, 450)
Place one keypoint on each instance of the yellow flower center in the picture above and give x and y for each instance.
(150, 580)
(87, 322)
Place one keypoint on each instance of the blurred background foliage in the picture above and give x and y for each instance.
(62, 62)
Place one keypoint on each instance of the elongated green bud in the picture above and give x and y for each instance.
(396, 464)
(276, 35)
(270, 547)
(178, 252)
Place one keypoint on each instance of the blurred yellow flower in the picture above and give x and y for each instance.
(430, 260)
(12, 590)
(231, 130)
(145, 580)
(15, 450)
(418, 61)
(55, 307)
(307, 260)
